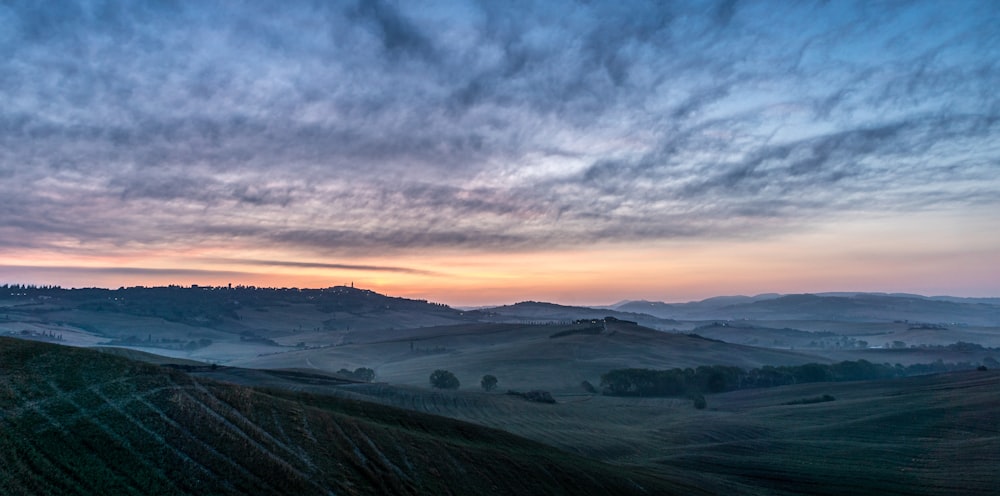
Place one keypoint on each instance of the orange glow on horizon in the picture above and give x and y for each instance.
(861, 257)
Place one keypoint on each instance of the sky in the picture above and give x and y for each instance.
(486, 152)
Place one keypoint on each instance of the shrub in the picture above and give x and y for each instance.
(588, 387)
(442, 379)
(699, 402)
(535, 395)
(809, 401)
(363, 374)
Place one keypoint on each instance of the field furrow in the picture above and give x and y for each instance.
(238, 422)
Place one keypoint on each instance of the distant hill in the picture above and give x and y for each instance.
(75, 421)
(845, 307)
(554, 357)
(237, 309)
(536, 311)
(211, 323)
(223, 324)
(685, 310)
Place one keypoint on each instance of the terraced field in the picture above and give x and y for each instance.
(75, 421)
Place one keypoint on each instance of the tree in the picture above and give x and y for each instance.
(488, 383)
(364, 374)
(442, 379)
(699, 401)
(811, 372)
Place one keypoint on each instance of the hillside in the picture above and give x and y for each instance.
(211, 323)
(237, 325)
(926, 435)
(937, 434)
(236, 310)
(82, 422)
(698, 310)
(844, 307)
(78, 421)
(523, 356)
(535, 311)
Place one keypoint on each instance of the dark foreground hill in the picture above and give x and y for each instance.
(75, 421)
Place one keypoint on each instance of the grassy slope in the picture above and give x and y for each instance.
(143, 356)
(922, 435)
(78, 421)
(524, 356)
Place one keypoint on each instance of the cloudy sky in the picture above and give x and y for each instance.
(489, 152)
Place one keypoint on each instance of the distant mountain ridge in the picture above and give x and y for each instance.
(288, 316)
(860, 307)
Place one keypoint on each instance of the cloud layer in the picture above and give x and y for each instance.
(339, 128)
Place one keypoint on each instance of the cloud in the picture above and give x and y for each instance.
(347, 128)
(320, 265)
(397, 33)
(16, 270)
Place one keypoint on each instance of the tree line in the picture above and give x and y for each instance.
(720, 378)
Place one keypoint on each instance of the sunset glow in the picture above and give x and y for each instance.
(487, 153)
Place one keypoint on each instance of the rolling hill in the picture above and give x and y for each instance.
(238, 325)
(220, 311)
(76, 421)
(523, 356)
(844, 307)
(541, 312)
(924, 435)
